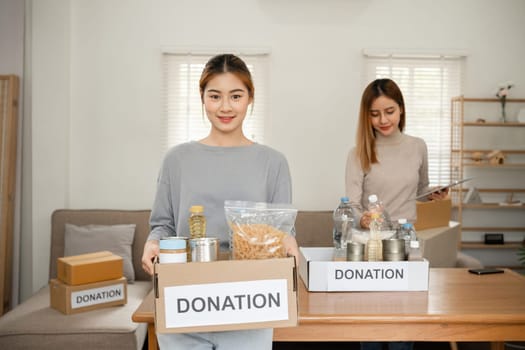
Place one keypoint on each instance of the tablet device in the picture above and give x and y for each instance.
(441, 188)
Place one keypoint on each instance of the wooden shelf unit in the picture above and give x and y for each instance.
(462, 165)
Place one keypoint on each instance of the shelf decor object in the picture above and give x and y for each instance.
(521, 116)
(472, 196)
(502, 96)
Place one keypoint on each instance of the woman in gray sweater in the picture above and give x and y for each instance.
(386, 162)
(225, 165)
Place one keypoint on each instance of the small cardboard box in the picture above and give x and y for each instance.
(89, 268)
(74, 299)
(433, 214)
(225, 295)
(321, 274)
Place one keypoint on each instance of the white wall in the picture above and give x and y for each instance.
(96, 84)
(50, 135)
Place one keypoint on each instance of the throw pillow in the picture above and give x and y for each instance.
(118, 239)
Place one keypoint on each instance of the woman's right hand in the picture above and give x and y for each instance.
(438, 195)
(151, 250)
(365, 220)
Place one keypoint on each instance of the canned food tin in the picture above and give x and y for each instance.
(204, 249)
(173, 250)
(393, 249)
(355, 251)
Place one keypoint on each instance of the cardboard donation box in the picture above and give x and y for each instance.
(88, 268)
(70, 299)
(88, 281)
(225, 295)
(321, 274)
(433, 214)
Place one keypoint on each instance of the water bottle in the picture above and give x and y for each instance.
(414, 250)
(343, 222)
(382, 221)
(197, 222)
(399, 228)
(404, 233)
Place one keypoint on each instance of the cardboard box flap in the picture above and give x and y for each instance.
(223, 271)
(86, 256)
(225, 295)
(73, 261)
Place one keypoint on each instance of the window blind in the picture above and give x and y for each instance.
(184, 116)
(428, 84)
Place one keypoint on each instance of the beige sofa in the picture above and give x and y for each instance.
(34, 325)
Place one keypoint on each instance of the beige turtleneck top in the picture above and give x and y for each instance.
(399, 176)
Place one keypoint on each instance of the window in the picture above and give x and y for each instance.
(428, 84)
(184, 116)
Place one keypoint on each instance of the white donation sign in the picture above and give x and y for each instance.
(226, 303)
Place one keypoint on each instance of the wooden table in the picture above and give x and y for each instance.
(458, 306)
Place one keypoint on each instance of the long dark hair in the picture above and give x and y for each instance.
(366, 135)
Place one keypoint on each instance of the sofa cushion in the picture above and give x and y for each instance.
(35, 325)
(118, 239)
(82, 217)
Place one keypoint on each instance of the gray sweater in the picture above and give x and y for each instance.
(401, 174)
(197, 174)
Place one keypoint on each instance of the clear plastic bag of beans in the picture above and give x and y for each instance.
(259, 230)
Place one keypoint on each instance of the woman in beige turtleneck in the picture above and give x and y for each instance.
(387, 163)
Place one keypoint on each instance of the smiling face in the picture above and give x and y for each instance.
(385, 115)
(226, 100)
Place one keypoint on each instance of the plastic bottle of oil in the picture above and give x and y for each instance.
(197, 222)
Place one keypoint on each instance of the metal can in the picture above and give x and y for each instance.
(355, 251)
(394, 250)
(173, 250)
(204, 249)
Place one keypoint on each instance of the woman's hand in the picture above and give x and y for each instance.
(290, 246)
(366, 218)
(151, 250)
(438, 195)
